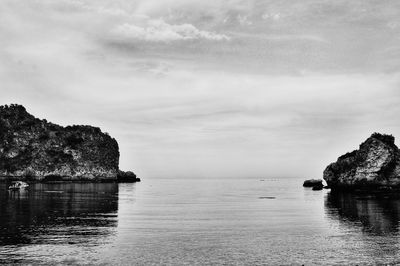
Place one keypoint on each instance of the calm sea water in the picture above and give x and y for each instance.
(196, 222)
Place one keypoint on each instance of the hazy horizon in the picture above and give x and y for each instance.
(209, 88)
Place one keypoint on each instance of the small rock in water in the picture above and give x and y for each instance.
(312, 182)
(127, 177)
(318, 187)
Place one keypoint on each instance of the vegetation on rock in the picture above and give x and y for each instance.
(34, 149)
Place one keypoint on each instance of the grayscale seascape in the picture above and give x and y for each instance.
(199, 132)
(190, 221)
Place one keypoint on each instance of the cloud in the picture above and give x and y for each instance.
(271, 16)
(294, 90)
(160, 31)
(244, 21)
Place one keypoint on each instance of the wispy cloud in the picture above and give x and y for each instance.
(160, 31)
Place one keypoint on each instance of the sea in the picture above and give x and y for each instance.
(196, 221)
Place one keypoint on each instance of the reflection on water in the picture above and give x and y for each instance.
(58, 214)
(196, 222)
(371, 226)
(379, 216)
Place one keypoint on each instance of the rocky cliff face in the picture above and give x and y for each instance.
(34, 149)
(375, 164)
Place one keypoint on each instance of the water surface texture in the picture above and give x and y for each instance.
(196, 222)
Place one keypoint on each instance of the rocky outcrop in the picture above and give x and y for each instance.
(375, 164)
(34, 149)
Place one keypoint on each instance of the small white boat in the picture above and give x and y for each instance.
(18, 185)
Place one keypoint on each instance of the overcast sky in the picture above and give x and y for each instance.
(199, 88)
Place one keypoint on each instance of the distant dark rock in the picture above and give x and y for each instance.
(127, 177)
(319, 186)
(312, 182)
(32, 149)
(375, 165)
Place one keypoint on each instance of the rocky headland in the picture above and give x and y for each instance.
(32, 149)
(375, 166)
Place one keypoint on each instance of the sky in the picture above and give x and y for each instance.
(199, 88)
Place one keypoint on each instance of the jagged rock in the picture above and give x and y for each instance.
(34, 149)
(312, 182)
(375, 164)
